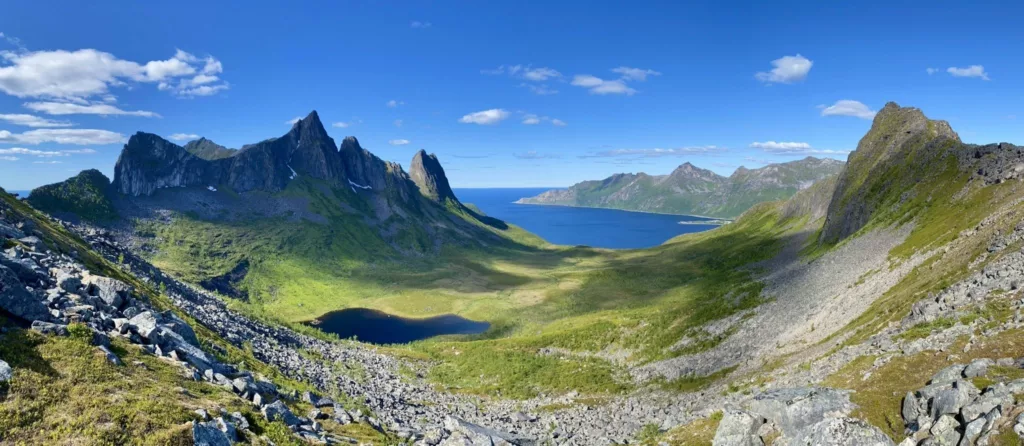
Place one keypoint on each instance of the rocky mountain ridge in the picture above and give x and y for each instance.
(692, 190)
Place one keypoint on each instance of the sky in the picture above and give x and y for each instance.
(507, 94)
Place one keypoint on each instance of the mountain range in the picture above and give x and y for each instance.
(690, 190)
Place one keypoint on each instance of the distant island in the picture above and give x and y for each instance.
(690, 190)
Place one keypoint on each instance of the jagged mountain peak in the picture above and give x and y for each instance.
(900, 137)
(426, 171)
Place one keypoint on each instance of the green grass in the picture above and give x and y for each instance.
(592, 302)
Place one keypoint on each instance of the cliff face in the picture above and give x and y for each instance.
(429, 176)
(149, 162)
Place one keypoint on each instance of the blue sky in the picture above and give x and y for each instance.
(525, 93)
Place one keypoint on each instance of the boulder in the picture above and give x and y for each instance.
(111, 357)
(145, 324)
(277, 411)
(841, 431)
(66, 281)
(738, 428)
(5, 372)
(794, 409)
(16, 300)
(27, 270)
(475, 434)
(227, 427)
(948, 374)
(48, 328)
(949, 401)
(944, 431)
(113, 292)
(208, 434)
(978, 367)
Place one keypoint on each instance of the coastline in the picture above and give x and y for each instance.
(625, 210)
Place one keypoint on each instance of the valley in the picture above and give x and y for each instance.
(837, 301)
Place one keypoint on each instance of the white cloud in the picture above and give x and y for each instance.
(847, 107)
(9, 158)
(486, 117)
(67, 108)
(44, 153)
(931, 71)
(528, 72)
(32, 121)
(971, 71)
(398, 142)
(341, 125)
(540, 74)
(47, 162)
(788, 69)
(420, 25)
(794, 148)
(655, 152)
(398, 122)
(293, 120)
(532, 119)
(597, 85)
(772, 146)
(542, 89)
(184, 136)
(63, 136)
(393, 103)
(635, 74)
(81, 74)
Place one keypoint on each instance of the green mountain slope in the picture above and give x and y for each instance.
(694, 191)
(86, 195)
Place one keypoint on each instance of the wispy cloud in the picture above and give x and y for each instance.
(44, 153)
(532, 119)
(541, 89)
(394, 103)
(8, 158)
(656, 152)
(794, 148)
(398, 142)
(931, 71)
(47, 162)
(293, 120)
(184, 136)
(600, 86)
(847, 107)
(398, 122)
(416, 24)
(68, 108)
(534, 155)
(977, 71)
(486, 117)
(787, 69)
(62, 136)
(528, 72)
(33, 121)
(341, 125)
(635, 74)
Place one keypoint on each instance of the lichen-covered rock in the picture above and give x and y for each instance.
(738, 428)
(797, 408)
(841, 431)
(16, 300)
(5, 372)
(208, 434)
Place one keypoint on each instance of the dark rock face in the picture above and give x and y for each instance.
(427, 173)
(149, 162)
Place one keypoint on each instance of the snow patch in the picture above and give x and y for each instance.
(293, 173)
(350, 183)
(211, 188)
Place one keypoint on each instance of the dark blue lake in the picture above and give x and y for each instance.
(377, 327)
(563, 225)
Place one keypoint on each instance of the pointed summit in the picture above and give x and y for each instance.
(427, 173)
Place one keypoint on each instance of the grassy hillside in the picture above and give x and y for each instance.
(84, 195)
(65, 392)
(593, 302)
